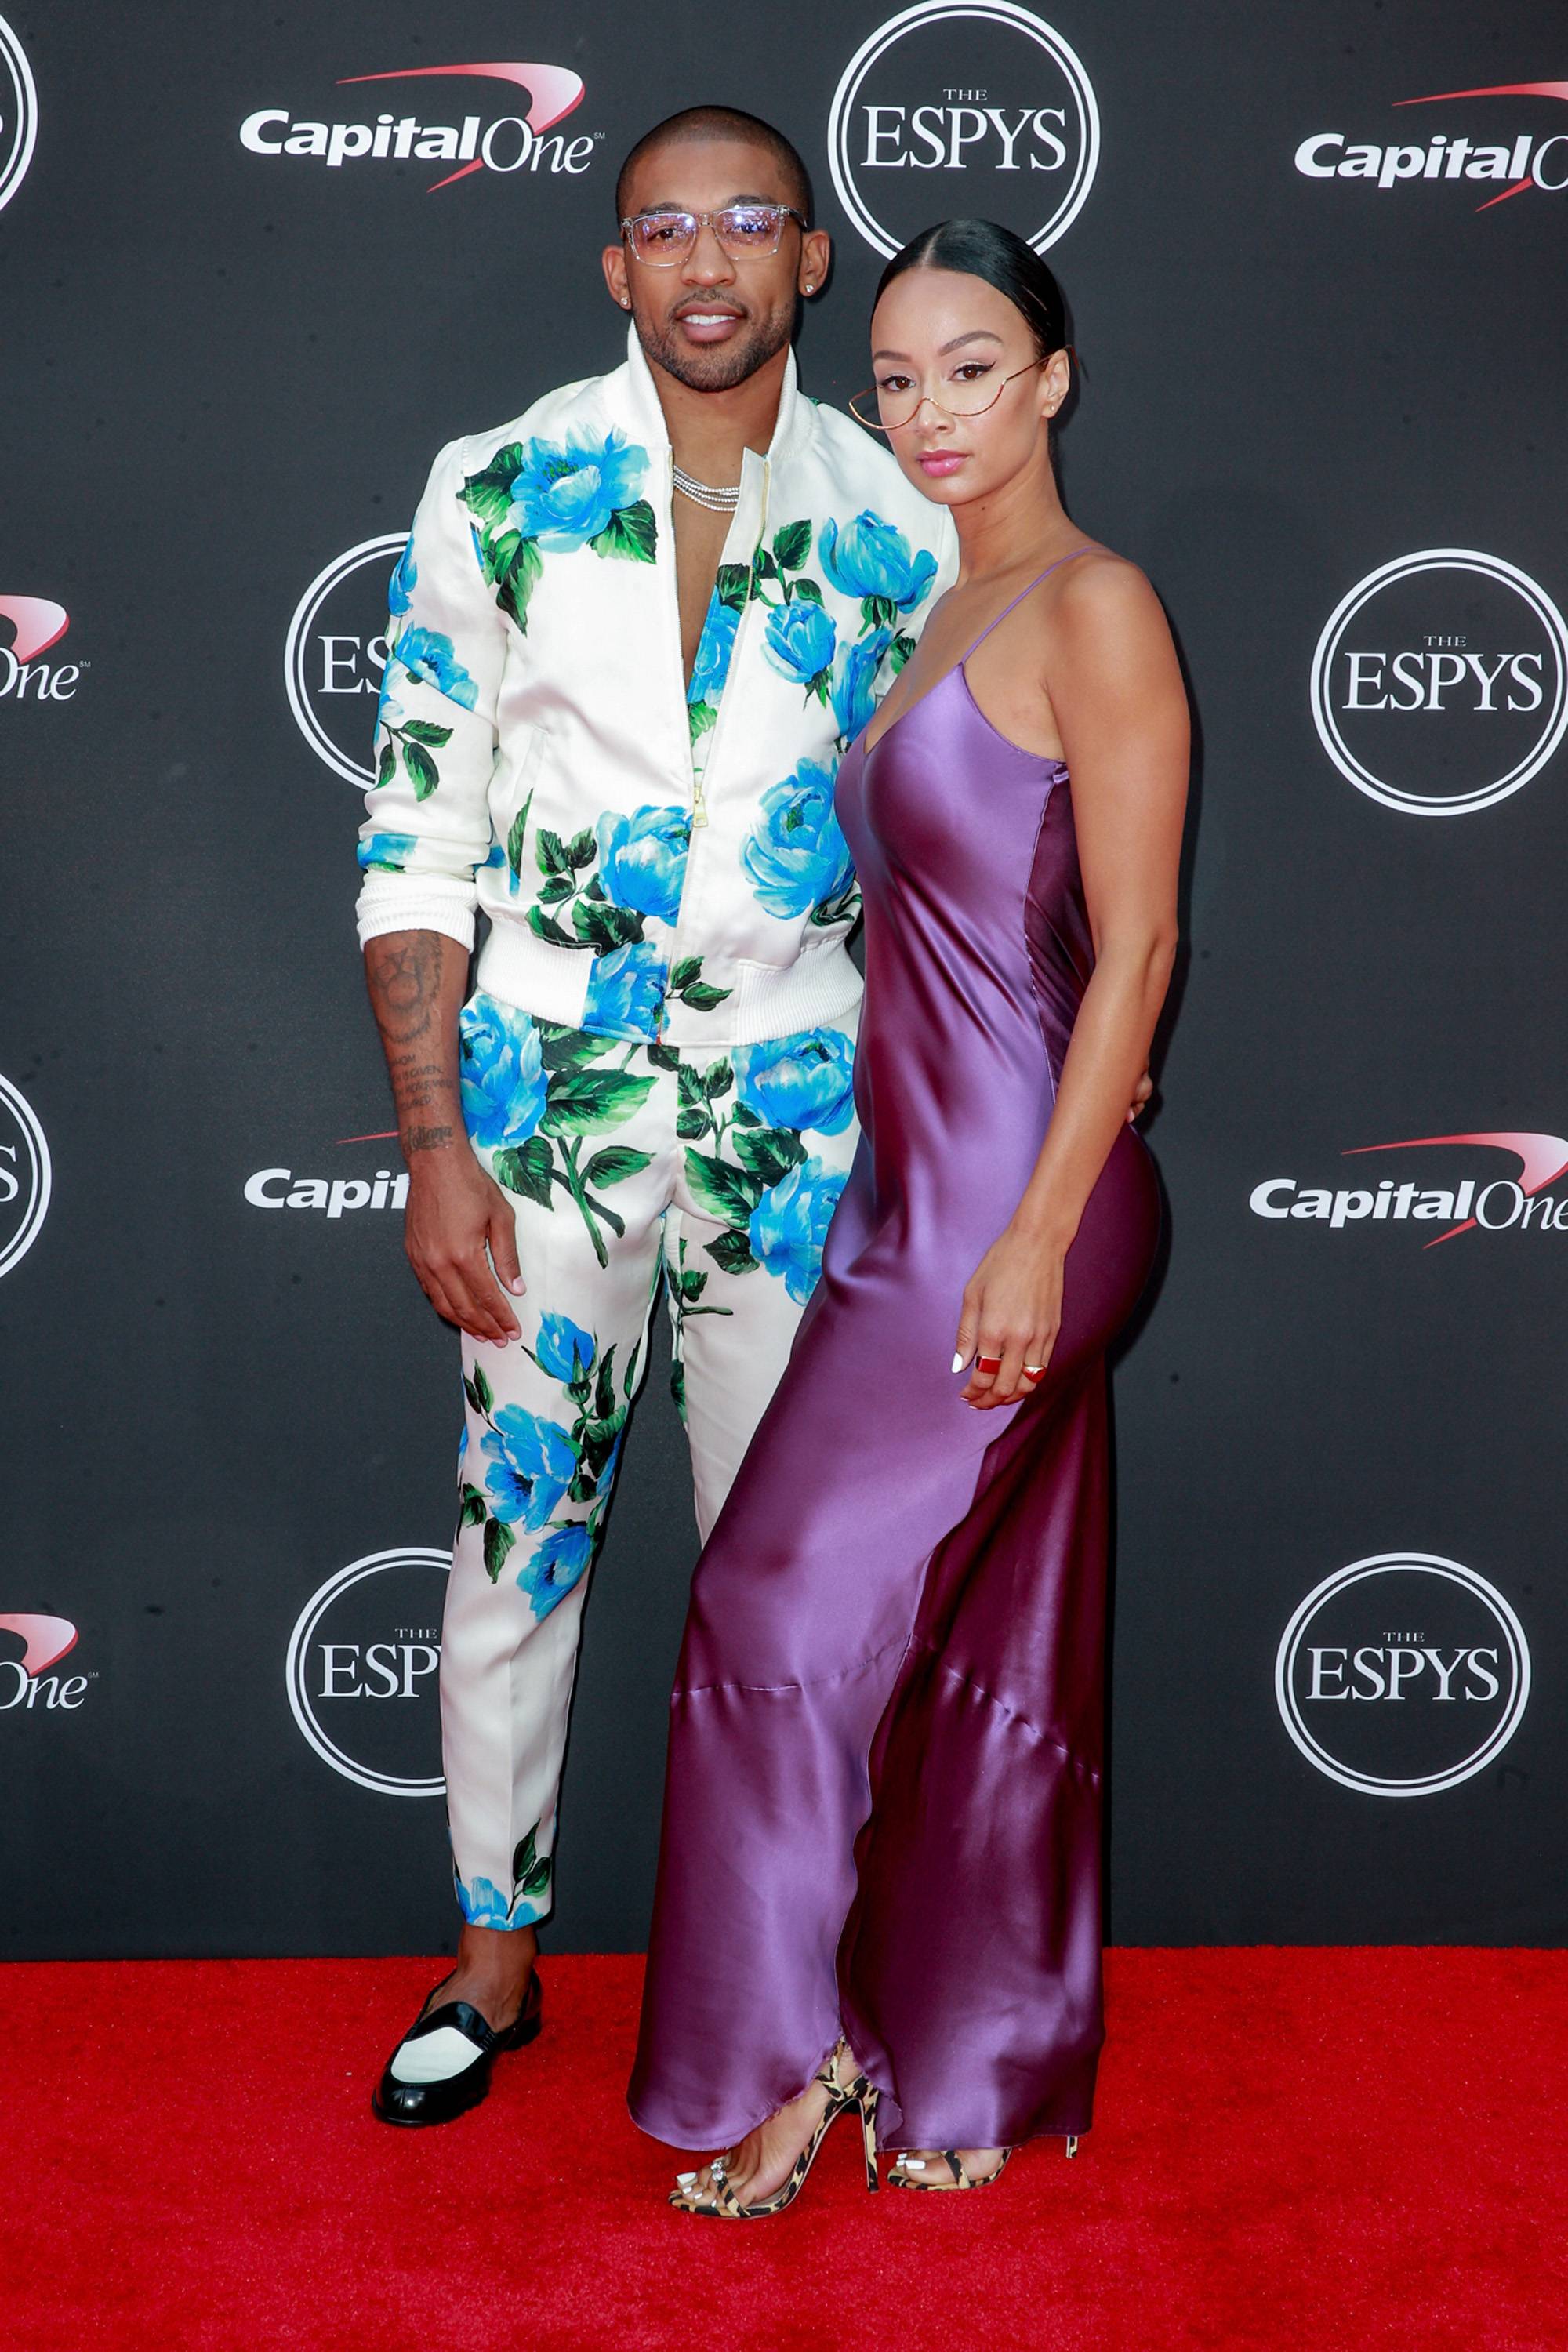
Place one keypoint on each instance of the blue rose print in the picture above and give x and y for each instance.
(869, 557)
(400, 590)
(796, 855)
(625, 993)
(804, 1080)
(556, 1566)
(482, 1905)
(789, 1225)
(388, 853)
(717, 644)
(564, 1348)
(503, 1075)
(800, 639)
(854, 681)
(565, 492)
(642, 859)
(430, 660)
(532, 1462)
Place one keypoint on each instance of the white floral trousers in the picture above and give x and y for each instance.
(628, 1164)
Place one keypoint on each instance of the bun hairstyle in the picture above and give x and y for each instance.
(983, 249)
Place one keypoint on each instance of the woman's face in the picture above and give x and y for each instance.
(944, 342)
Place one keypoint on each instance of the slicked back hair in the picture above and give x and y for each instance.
(694, 124)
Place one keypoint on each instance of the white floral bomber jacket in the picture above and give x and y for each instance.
(657, 861)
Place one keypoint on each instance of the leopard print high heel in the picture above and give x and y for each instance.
(725, 2205)
(905, 2167)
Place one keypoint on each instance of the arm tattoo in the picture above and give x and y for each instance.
(425, 1139)
(405, 983)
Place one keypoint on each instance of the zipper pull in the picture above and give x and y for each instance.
(698, 804)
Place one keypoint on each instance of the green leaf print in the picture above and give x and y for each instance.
(525, 1167)
(516, 834)
(514, 588)
(582, 849)
(499, 1541)
(699, 717)
(423, 773)
(663, 1057)
(488, 494)
(604, 1388)
(701, 998)
(472, 1513)
(731, 1251)
(568, 1049)
(613, 1164)
(498, 555)
(692, 1284)
(386, 765)
(717, 1079)
(550, 852)
(734, 585)
(901, 649)
(424, 731)
(591, 1102)
(530, 1868)
(602, 927)
(809, 589)
(630, 531)
(545, 927)
(484, 1394)
(792, 545)
(558, 887)
(769, 1153)
(725, 1191)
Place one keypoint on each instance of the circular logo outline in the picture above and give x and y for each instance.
(1002, 12)
(1386, 1563)
(41, 1167)
(330, 577)
(13, 65)
(382, 1784)
(1438, 559)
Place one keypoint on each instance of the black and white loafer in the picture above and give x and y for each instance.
(442, 2066)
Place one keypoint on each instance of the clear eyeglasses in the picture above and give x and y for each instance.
(887, 408)
(745, 233)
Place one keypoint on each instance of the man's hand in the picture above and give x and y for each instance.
(454, 1209)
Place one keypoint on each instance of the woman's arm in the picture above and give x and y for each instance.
(1116, 692)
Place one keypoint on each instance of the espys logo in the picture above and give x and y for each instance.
(37, 623)
(362, 1672)
(979, 92)
(1525, 159)
(1490, 1205)
(25, 1682)
(18, 114)
(335, 652)
(25, 1176)
(1440, 682)
(513, 142)
(1402, 1675)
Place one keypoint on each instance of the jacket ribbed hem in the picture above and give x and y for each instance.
(764, 1000)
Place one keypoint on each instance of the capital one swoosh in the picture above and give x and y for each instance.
(553, 90)
(38, 624)
(1542, 1159)
(1496, 90)
(47, 1640)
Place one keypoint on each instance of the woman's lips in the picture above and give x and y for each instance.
(937, 462)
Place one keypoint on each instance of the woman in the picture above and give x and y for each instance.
(880, 1886)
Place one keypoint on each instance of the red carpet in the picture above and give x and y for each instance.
(1300, 2148)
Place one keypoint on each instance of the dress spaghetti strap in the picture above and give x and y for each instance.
(1086, 549)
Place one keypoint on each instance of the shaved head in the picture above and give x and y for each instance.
(698, 124)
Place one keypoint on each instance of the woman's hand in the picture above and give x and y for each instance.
(1012, 1313)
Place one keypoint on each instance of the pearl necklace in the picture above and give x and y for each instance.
(705, 493)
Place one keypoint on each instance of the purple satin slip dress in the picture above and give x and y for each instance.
(882, 1809)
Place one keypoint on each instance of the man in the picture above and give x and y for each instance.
(630, 635)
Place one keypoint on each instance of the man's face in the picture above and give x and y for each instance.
(712, 321)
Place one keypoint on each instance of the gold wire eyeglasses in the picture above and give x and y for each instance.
(891, 408)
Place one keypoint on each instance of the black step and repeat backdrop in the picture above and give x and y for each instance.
(258, 262)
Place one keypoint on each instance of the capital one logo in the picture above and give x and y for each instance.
(1490, 167)
(512, 142)
(362, 1671)
(18, 114)
(37, 624)
(1440, 682)
(26, 1176)
(26, 1685)
(1490, 1203)
(1402, 1675)
(963, 107)
(335, 652)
